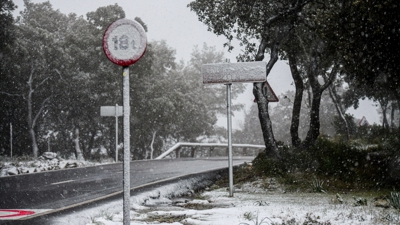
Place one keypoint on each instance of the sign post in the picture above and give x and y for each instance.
(124, 43)
(113, 111)
(228, 73)
(229, 126)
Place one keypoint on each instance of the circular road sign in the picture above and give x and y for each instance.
(124, 42)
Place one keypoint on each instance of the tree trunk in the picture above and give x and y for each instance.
(152, 143)
(35, 148)
(79, 155)
(339, 109)
(393, 109)
(271, 147)
(384, 105)
(31, 119)
(313, 131)
(298, 81)
(266, 126)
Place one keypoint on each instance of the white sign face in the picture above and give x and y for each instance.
(124, 42)
(227, 73)
(111, 111)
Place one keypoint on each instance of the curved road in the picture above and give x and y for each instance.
(60, 189)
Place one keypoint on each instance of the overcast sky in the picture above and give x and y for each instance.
(172, 20)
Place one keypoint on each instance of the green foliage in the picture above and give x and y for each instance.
(394, 200)
(63, 75)
(318, 185)
(360, 201)
(342, 165)
(261, 203)
(369, 35)
(265, 166)
(342, 161)
(340, 126)
(254, 218)
(7, 28)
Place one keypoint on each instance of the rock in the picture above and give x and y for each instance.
(53, 162)
(23, 170)
(382, 203)
(12, 171)
(72, 156)
(62, 164)
(3, 172)
(36, 164)
(49, 155)
(71, 165)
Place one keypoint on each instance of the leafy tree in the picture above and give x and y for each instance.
(316, 59)
(281, 115)
(7, 23)
(287, 27)
(172, 103)
(56, 91)
(61, 79)
(250, 132)
(35, 79)
(346, 130)
(366, 35)
(264, 21)
(7, 37)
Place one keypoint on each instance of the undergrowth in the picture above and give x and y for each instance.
(337, 165)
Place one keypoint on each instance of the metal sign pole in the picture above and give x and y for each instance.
(124, 43)
(229, 117)
(127, 153)
(116, 132)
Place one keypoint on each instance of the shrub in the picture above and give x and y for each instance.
(264, 166)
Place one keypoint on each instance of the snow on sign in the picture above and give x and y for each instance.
(111, 111)
(227, 73)
(124, 42)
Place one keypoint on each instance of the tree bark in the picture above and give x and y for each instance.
(383, 102)
(313, 131)
(78, 151)
(271, 147)
(152, 143)
(31, 119)
(298, 98)
(393, 109)
(262, 101)
(316, 90)
(339, 109)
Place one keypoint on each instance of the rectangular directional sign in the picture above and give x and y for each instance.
(111, 111)
(227, 73)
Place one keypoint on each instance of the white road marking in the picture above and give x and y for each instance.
(62, 182)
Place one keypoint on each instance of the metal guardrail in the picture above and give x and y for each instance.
(186, 144)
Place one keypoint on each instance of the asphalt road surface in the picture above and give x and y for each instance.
(68, 188)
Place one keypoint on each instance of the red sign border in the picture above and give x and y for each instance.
(107, 33)
(17, 211)
(276, 99)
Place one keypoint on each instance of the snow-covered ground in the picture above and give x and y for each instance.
(256, 203)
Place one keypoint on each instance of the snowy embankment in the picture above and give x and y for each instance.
(46, 162)
(260, 202)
